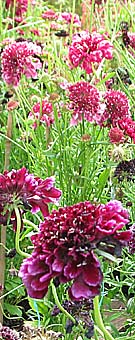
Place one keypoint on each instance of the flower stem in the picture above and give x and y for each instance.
(59, 304)
(31, 224)
(99, 320)
(18, 218)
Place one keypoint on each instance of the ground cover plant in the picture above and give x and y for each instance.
(67, 170)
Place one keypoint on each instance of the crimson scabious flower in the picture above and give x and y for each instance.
(8, 334)
(64, 248)
(128, 127)
(87, 48)
(50, 15)
(116, 135)
(84, 102)
(67, 17)
(21, 189)
(116, 108)
(21, 7)
(42, 112)
(17, 59)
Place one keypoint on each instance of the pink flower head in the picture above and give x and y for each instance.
(98, 2)
(116, 108)
(7, 333)
(128, 127)
(17, 60)
(50, 15)
(63, 248)
(116, 135)
(20, 6)
(21, 189)
(43, 112)
(84, 102)
(89, 48)
(132, 40)
(67, 17)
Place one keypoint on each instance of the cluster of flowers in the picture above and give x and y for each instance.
(42, 112)
(21, 189)
(64, 16)
(18, 58)
(21, 7)
(110, 109)
(64, 248)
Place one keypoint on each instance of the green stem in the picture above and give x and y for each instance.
(99, 321)
(18, 218)
(31, 224)
(59, 304)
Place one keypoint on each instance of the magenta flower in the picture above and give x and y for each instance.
(64, 248)
(116, 108)
(89, 48)
(50, 15)
(17, 59)
(21, 189)
(44, 113)
(20, 7)
(67, 17)
(8, 334)
(116, 135)
(128, 127)
(84, 102)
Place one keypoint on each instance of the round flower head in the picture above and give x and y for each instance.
(8, 334)
(64, 248)
(67, 17)
(116, 135)
(84, 102)
(21, 189)
(116, 108)
(17, 60)
(87, 48)
(50, 15)
(128, 127)
(21, 7)
(42, 112)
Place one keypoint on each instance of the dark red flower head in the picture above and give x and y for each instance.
(21, 189)
(84, 102)
(116, 108)
(64, 248)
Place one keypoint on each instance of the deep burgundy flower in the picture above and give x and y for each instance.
(21, 189)
(64, 248)
(44, 113)
(17, 59)
(132, 240)
(8, 334)
(87, 48)
(84, 102)
(116, 135)
(117, 108)
(125, 170)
